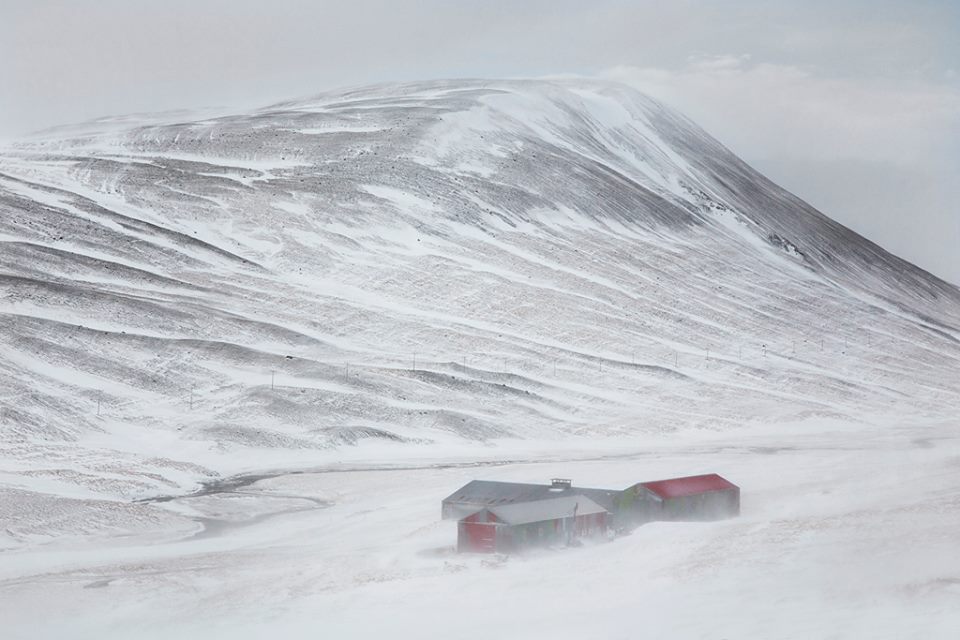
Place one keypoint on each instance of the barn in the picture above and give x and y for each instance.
(512, 527)
(693, 498)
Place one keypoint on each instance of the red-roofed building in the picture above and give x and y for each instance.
(504, 517)
(706, 497)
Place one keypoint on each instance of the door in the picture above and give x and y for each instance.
(479, 537)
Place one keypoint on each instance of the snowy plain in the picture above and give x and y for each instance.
(245, 357)
(844, 533)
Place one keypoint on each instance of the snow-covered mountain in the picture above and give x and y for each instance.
(425, 263)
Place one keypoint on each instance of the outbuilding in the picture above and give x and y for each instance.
(512, 527)
(692, 498)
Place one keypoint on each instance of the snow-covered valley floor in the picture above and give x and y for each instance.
(848, 531)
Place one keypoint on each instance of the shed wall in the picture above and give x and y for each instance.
(637, 505)
(476, 536)
(713, 505)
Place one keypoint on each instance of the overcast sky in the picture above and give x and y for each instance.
(852, 105)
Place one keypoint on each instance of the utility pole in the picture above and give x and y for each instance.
(191, 397)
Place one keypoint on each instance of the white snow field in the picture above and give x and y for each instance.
(244, 357)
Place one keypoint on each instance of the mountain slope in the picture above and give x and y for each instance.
(440, 262)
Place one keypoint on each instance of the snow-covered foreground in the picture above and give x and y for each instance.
(846, 532)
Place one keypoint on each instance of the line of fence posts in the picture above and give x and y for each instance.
(503, 362)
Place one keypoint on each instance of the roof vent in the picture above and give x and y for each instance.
(560, 484)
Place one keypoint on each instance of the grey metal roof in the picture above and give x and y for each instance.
(606, 498)
(542, 510)
(490, 493)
